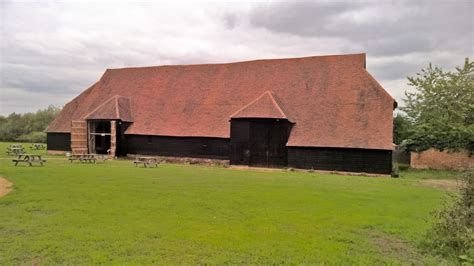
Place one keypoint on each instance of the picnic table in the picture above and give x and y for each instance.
(146, 161)
(87, 158)
(15, 149)
(29, 159)
(37, 146)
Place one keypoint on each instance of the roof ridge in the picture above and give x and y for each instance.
(245, 61)
(98, 107)
(249, 104)
(276, 104)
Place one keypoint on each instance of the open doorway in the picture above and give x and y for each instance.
(102, 144)
(99, 137)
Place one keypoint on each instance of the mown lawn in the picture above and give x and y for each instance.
(115, 213)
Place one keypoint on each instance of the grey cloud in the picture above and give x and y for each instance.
(38, 81)
(394, 70)
(301, 18)
(385, 28)
(230, 20)
(51, 51)
(389, 46)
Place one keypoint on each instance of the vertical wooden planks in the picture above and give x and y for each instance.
(79, 137)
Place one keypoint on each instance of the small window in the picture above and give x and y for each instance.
(150, 139)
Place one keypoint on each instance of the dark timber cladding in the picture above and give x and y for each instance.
(213, 148)
(341, 159)
(259, 142)
(58, 141)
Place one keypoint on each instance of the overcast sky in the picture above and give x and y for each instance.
(52, 50)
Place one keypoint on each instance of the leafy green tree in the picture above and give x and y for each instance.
(441, 109)
(401, 127)
(27, 127)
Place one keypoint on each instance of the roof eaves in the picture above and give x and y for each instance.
(377, 84)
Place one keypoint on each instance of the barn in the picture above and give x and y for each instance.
(319, 112)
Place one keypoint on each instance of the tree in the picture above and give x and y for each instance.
(27, 127)
(441, 110)
(401, 127)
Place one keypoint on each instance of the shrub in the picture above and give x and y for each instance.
(452, 236)
(403, 166)
(33, 137)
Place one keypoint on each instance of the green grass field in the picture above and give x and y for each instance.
(115, 213)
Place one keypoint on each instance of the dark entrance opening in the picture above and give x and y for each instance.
(259, 142)
(99, 136)
(121, 144)
(102, 144)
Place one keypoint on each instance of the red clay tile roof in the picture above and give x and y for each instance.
(117, 107)
(265, 106)
(333, 100)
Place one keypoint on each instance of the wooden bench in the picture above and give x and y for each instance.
(29, 159)
(16, 146)
(37, 146)
(83, 158)
(87, 158)
(15, 150)
(146, 161)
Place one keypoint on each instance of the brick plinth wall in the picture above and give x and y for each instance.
(188, 160)
(53, 152)
(441, 160)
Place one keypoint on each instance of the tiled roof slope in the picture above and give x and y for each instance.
(117, 107)
(333, 100)
(265, 106)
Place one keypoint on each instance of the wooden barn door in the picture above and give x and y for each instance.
(239, 142)
(79, 137)
(267, 142)
(259, 142)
